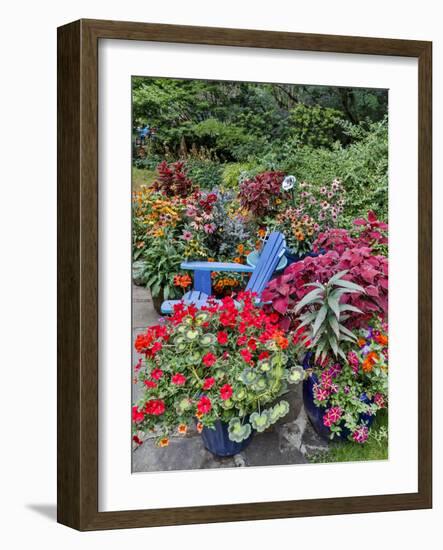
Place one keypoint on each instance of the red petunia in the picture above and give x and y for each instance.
(204, 405)
(246, 354)
(263, 355)
(156, 374)
(208, 383)
(155, 407)
(222, 338)
(137, 416)
(178, 379)
(137, 440)
(226, 392)
(150, 383)
(209, 359)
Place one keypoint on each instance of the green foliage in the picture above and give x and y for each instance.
(362, 167)
(160, 259)
(376, 447)
(325, 314)
(315, 126)
(235, 172)
(204, 172)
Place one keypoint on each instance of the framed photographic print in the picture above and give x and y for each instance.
(244, 275)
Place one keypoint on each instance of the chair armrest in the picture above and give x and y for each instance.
(216, 266)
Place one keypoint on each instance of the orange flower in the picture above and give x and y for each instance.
(261, 232)
(369, 361)
(182, 429)
(211, 260)
(164, 442)
(237, 260)
(361, 342)
(199, 427)
(240, 249)
(382, 339)
(198, 415)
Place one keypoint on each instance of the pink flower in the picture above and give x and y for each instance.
(178, 379)
(332, 416)
(320, 393)
(187, 235)
(360, 435)
(209, 228)
(379, 400)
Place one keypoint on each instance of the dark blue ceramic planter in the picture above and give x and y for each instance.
(315, 414)
(218, 443)
(292, 258)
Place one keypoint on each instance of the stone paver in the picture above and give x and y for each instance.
(289, 441)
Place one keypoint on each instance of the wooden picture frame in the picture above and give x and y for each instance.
(78, 273)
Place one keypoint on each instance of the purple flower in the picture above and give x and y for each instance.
(365, 350)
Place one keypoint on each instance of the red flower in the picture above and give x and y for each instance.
(137, 416)
(204, 405)
(209, 359)
(226, 392)
(150, 383)
(155, 407)
(178, 379)
(241, 341)
(252, 344)
(222, 338)
(208, 383)
(156, 374)
(157, 346)
(263, 355)
(246, 354)
(137, 440)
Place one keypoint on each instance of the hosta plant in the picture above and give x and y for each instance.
(227, 361)
(322, 313)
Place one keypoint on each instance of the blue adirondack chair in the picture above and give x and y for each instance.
(270, 256)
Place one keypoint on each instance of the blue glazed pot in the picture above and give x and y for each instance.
(315, 414)
(218, 443)
(292, 258)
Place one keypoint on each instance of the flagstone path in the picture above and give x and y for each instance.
(288, 442)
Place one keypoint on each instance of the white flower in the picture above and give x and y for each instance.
(288, 183)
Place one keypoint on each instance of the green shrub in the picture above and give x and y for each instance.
(206, 173)
(362, 167)
(315, 126)
(235, 172)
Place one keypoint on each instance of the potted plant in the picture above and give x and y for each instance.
(220, 369)
(347, 373)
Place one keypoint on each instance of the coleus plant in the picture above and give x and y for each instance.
(323, 316)
(172, 180)
(227, 361)
(363, 268)
(262, 194)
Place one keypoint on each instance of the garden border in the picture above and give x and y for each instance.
(77, 316)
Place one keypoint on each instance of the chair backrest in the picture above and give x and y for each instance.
(270, 255)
